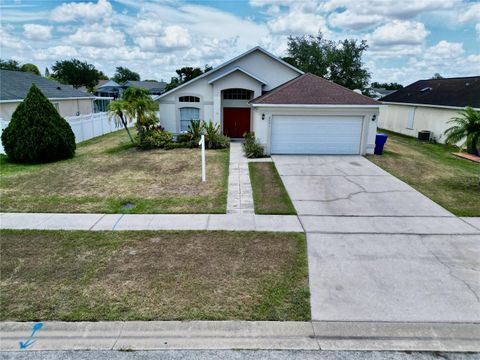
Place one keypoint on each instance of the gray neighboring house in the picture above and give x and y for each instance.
(14, 86)
(154, 87)
(378, 93)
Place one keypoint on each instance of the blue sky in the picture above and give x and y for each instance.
(408, 40)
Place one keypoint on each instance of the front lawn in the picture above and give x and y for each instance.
(146, 275)
(107, 173)
(448, 180)
(269, 194)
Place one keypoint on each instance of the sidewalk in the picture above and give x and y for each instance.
(99, 222)
(169, 335)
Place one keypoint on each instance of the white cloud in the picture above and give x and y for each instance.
(297, 22)
(477, 27)
(152, 35)
(98, 35)
(471, 14)
(351, 20)
(10, 41)
(88, 11)
(37, 32)
(56, 53)
(398, 32)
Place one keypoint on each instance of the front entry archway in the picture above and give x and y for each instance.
(236, 121)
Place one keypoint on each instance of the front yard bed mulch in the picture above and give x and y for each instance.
(147, 275)
(432, 169)
(269, 193)
(108, 173)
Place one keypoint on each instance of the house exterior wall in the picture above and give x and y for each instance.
(262, 128)
(211, 104)
(65, 108)
(397, 118)
(234, 80)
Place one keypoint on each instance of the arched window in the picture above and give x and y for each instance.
(187, 114)
(237, 94)
(189, 99)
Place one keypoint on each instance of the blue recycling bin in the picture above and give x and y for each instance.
(380, 141)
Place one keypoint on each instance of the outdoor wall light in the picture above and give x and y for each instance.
(374, 117)
(263, 116)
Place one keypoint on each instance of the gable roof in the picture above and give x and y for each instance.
(310, 89)
(457, 92)
(256, 48)
(107, 83)
(14, 85)
(236, 68)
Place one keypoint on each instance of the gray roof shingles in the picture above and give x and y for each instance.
(458, 92)
(310, 89)
(14, 85)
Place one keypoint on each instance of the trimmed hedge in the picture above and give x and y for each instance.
(37, 133)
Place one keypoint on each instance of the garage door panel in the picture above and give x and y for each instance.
(316, 135)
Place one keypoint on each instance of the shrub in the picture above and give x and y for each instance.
(37, 133)
(154, 139)
(195, 129)
(251, 147)
(213, 138)
(183, 137)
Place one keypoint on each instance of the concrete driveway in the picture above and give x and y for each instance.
(379, 250)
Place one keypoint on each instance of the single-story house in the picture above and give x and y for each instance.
(14, 86)
(289, 111)
(429, 105)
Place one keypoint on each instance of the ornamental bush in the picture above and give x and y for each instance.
(37, 133)
(154, 139)
(251, 147)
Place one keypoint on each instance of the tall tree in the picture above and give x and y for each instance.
(30, 68)
(9, 65)
(76, 73)
(47, 72)
(339, 61)
(437, 76)
(185, 74)
(346, 68)
(123, 74)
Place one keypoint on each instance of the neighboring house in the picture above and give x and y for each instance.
(154, 87)
(108, 88)
(429, 105)
(14, 86)
(290, 112)
(378, 93)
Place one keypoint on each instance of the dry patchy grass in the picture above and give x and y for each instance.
(269, 194)
(75, 275)
(448, 180)
(108, 172)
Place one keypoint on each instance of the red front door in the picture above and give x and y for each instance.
(236, 121)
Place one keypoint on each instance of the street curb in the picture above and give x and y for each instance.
(258, 335)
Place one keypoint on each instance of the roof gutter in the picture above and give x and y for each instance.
(317, 106)
(54, 99)
(428, 105)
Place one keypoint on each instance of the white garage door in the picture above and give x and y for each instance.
(298, 134)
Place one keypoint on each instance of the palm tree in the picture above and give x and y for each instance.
(118, 110)
(140, 107)
(467, 126)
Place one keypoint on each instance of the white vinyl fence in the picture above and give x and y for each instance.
(84, 127)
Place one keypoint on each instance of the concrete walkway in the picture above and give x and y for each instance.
(99, 222)
(240, 199)
(164, 335)
(378, 250)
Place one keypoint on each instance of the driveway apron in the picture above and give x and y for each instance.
(379, 250)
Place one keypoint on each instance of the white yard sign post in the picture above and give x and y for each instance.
(202, 142)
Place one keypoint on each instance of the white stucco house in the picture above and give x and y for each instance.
(429, 105)
(289, 111)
